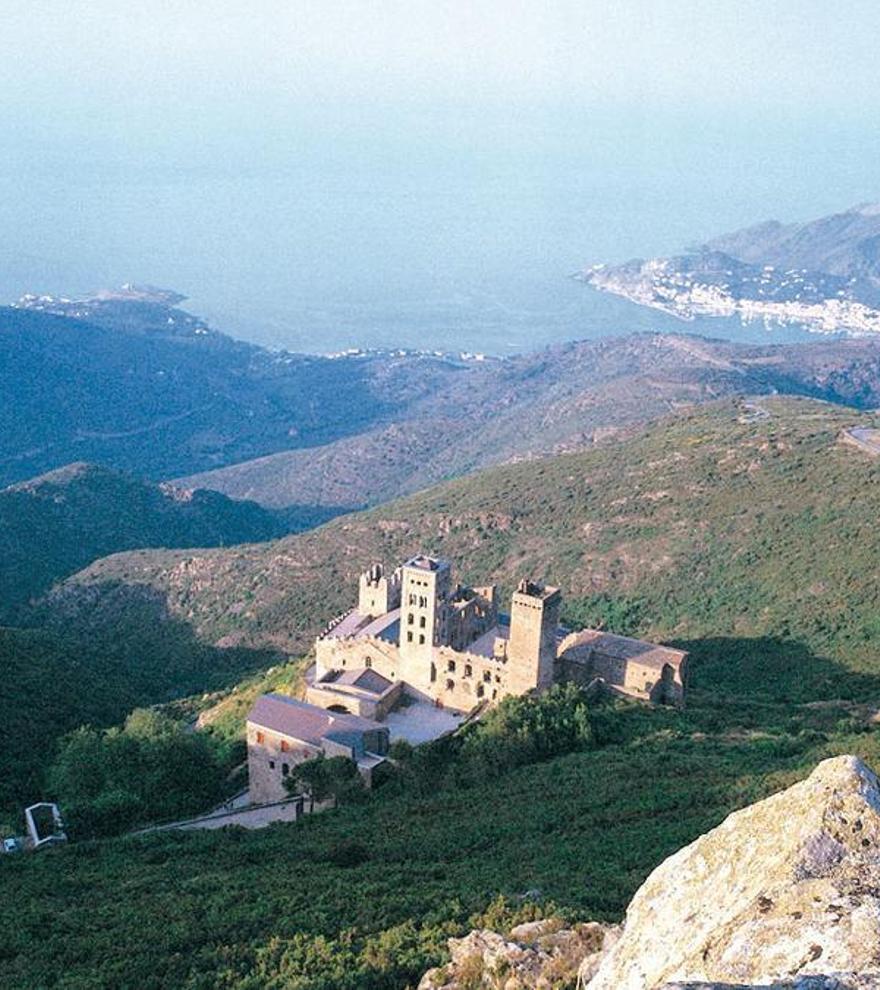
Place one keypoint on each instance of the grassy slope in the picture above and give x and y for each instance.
(760, 558)
(712, 523)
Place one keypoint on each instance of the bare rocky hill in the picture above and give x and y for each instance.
(564, 399)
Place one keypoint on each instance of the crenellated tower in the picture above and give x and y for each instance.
(378, 594)
(531, 649)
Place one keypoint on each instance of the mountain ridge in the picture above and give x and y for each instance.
(57, 523)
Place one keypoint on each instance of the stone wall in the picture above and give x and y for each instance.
(266, 762)
(465, 680)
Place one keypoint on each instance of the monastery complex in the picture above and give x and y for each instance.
(418, 633)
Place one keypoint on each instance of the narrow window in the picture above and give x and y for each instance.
(368, 662)
(285, 746)
(433, 673)
(487, 677)
(468, 670)
(480, 690)
(285, 769)
(261, 737)
(410, 619)
(421, 639)
(271, 764)
(422, 622)
(451, 666)
(450, 685)
(409, 637)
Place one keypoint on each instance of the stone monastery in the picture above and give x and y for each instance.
(418, 632)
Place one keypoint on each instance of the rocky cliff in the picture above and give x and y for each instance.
(783, 895)
(786, 889)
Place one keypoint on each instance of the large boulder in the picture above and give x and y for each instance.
(786, 889)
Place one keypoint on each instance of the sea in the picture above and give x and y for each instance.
(426, 246)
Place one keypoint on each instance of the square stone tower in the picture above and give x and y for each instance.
(425, 587)
(531, 649)
(377, 593)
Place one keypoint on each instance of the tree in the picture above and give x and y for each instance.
(150, 769)
(325, 777)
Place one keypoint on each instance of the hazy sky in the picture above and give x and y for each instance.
(219, 146)
(216, 61)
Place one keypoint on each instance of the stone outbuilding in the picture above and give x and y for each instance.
(282, 732)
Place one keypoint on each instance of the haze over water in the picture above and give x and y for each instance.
(319, 187)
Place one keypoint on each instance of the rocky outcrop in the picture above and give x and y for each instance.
(785, 893)
(537, 955)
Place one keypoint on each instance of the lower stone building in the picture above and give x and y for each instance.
(629, 667)
(282, 732)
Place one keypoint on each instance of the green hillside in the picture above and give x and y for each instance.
(744, 533)
(56, 524)
(54, 681)
(732, 520)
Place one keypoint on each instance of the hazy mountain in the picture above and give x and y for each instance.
(844, 244)
(824, 274)
(563, 399)
(59, 522)
(142, 386)
(148, 388)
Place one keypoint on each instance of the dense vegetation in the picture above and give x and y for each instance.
(56, 524)
(364, 896)
(747, 539)
(149, 769)
(54, 682)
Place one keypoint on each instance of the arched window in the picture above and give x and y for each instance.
(421, 639)
(433, 673)
(480, 690)
(468, 670)
(450, 685)
(285, 769)
(422, 621)
(368, 662)
(451, 666)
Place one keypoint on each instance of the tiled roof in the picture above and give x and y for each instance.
(624, 648)
(367, 680)
(303, 721)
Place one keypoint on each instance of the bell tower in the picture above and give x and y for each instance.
(425, 588)
(531, 649)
